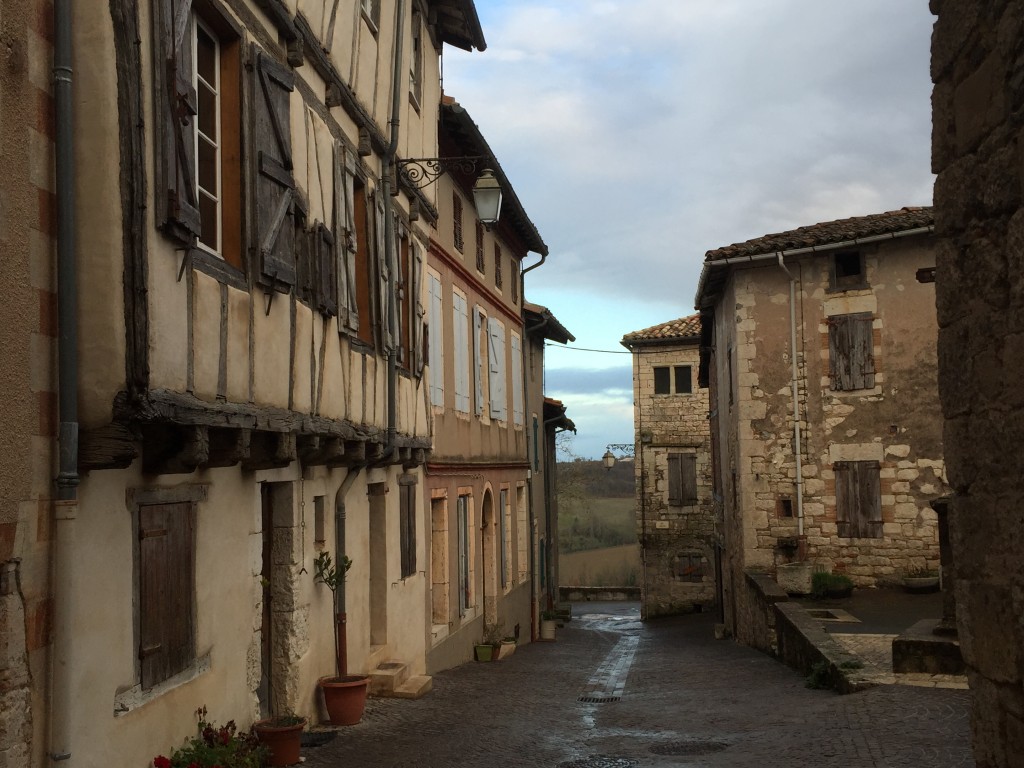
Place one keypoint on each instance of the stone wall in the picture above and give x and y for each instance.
(678, 552)
(977, 61)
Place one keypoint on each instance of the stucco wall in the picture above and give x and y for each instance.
(668, 424)
(976, 55)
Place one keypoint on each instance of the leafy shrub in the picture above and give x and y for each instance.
(819, 679)
(212, 746)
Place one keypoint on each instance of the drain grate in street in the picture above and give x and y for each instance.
(598, 699)
(680, 748)
(599, 761)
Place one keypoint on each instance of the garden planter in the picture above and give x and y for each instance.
(547, 629)
(282, 741)
(345, 698)
(504, 649)
(920, 584)
(484, 651)
(795, 578)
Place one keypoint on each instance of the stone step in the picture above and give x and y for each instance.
(378, 655)
(388, 677)
(414, 688)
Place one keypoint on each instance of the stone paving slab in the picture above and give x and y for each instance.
(876, 653)
(685, 700)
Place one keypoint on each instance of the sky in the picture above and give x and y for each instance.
(640, 134)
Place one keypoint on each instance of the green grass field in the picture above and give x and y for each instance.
(594, 523)
(607, 567)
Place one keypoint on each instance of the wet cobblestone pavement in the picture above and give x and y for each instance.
(684, 699)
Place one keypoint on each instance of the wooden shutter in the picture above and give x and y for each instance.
(675, 480)
(166, 590)
(384, 326)
(419, 311)
(327, 269)
(496, 358)
(517, 380)
(407, 525)
(851, 352)
(478, 363)
(688, 478)
(176, 106)
(858, 499)
(503, 535)
(460, 323)
(274, 187)
(436, 359)
(463, 525)
(305, 257)
(348, 309)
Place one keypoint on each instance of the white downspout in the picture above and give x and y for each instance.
(795, 384)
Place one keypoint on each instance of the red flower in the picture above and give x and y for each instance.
(161, 762)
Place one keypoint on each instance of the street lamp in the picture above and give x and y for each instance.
(625, 450)
(421, 172)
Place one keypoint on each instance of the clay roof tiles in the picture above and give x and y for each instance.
(829, 232)
(674, 330)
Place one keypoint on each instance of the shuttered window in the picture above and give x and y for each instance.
(416, 67)
(514, 278)
(465, 585)
(383, 315)
(481, 265)
(350, 239)
(504, 537)
(498, 278)
(851, 352)
(457, 220)
(363, 316)
(274, 188)
(371, 13)
(461, 340)
(404, 302)
(517, 379)
(198, 110)
(418, 309)
(435, 336)
(682, 479)
(407, 527)
(858, 499)
(479, 359)
(166, 590)
(496, 367)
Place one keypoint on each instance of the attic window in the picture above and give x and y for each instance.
(848, 271)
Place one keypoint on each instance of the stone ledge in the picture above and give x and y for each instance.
(919, 649)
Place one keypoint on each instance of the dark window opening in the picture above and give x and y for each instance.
(688, 568)
(407, 528)
(785, 508)
(684, 380)
(848, 271)
(662, 382)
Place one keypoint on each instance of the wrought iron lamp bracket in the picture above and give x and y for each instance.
(423, 171)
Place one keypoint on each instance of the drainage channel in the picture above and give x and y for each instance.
(608, 682)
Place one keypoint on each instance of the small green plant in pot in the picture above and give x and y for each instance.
(344, 694)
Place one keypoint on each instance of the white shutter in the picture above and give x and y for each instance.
(436, 360)
(478, 363)
(460, 313)
(517, 380)
(496, 358)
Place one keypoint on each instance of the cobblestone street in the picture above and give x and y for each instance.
(612, 691)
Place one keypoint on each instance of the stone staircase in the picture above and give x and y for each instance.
(390, 678)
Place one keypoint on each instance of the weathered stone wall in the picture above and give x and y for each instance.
(672, 423)
(977, 60)
(892, 423)
(28, 337)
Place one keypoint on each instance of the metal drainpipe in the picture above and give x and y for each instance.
(339, 553)
(66, 506)
(389, 231)
(795, 385)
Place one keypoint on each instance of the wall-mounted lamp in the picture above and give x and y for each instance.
(423, 171)
(625, 450)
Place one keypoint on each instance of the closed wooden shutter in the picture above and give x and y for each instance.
(327, 266)
(858, 499)
(478, 363)
(274, 187)
(407, 526)
(166, 590)
(503, 535)
(460, 328)
(851, 352)
(436, 350)
(462, 513)
(517, 379)
(682, 479)
(176, 105)
(496, 358)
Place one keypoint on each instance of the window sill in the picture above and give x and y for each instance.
(135, 697)
(218, 269)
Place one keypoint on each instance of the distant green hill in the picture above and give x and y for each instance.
(595, 506)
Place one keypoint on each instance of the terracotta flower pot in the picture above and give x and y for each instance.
(283, 741)
(345, 698)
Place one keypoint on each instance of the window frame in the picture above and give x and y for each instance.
(407, 525)
(840, 283)
(464, 526)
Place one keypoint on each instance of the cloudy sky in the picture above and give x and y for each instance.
(640, 134)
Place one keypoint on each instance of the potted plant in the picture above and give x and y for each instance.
(920, 580)
(282, 736)
(548, 622)
(505, 648)
(213, 745)
(344, 694)
(825, 584)
(483, 651)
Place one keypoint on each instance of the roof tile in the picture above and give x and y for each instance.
(683, 328)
